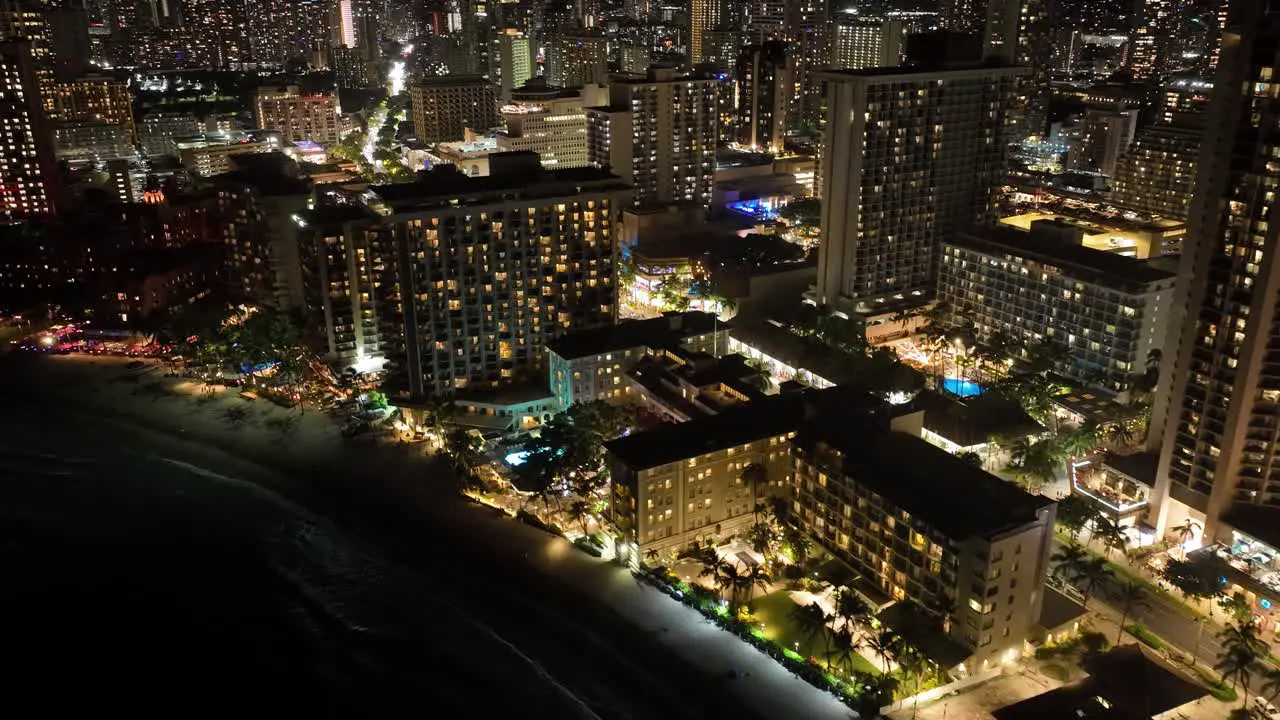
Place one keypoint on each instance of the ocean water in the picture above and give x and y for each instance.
(133, 576)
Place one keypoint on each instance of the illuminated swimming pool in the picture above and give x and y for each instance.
(961, 388)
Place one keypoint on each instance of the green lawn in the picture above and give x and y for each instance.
(774, 610)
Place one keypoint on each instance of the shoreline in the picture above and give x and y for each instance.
(389, 507)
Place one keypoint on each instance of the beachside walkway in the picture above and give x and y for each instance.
(396, 475)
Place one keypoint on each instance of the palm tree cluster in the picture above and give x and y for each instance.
(1073, 564)
(736, 579)
(568, 454)
(1035, 462)
(1243, 657)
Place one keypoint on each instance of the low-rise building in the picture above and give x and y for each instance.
(592, 364)
(681, 483)
(1129, 681)
(1135, 237)
(209, 155)
(1108, 311)
(928, 528)
(90, 141)
(156, 132)
(297, 116)
(681, 385)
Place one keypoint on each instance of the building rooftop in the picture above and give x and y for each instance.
(1058, 610)
(1257, 521)
(950, 494)
(330, 215)
(1139, 466)
(736, 426)
(451, 80)
(669, 329)
(1081, 262)
(446, 186)
(923, 72)
(973, 420)
(796, 352)
(1132, 682)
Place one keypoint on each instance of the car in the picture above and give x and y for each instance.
(1266, 709)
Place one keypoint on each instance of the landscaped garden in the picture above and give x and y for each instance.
(776, 614)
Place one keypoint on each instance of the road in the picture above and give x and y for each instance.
(1168, 618)
(561, 634)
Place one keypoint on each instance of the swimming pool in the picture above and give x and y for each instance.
(961, 388)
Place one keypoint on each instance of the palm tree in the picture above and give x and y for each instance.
(1238, 665)
(756, 577)
(914, 665)
(885, 645)
(760, 538)
(1130, 596)
(753, 477)
(845, 648)
(1093, 576)
(799, 544)
(1185, 532)
(1068, 560)
(811, 619)
(1119, 434)
(1243, 635)
(1271, 682)
(729, 577)
(1111, 534)
(851, 609)
(580, 511)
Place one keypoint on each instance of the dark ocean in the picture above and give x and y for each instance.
(136, 576)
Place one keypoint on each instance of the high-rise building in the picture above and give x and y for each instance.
(910, 157)
(659, 133)
(513, 61)
(157, 131)
(69, 41)
(1108, 310)
(975, 558)
(577, 60)
(1020, 32)
(764, 95)
(704, 16)
(219, 33)
(350, 70)
(766, 20)
(444, 107)
(1156, 175)
(1217, 421)
(488, 270)
(858, 44)
(28, 170)
(95, 98)
(1105, 133)
(297, 116)
(809, 36)
(634, 58)
(90, 141)
(962, 16)
(340, 254)
(549, 121)
(23, 21)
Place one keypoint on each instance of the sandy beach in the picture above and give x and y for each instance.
(586, 621)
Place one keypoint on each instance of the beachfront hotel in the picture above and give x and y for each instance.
(1110, 311)
(487, 270)
(925, 526)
